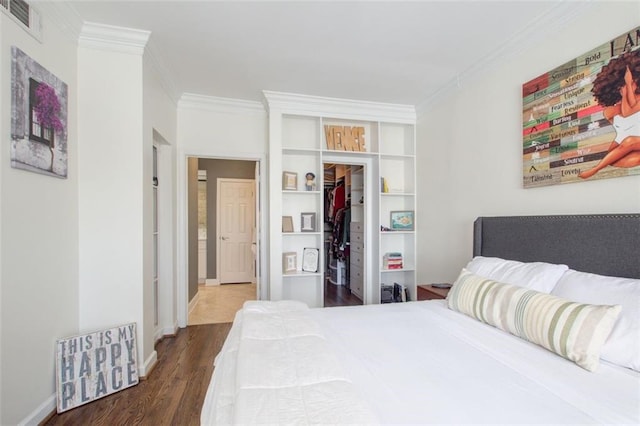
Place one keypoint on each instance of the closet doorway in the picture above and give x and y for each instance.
(344, 220)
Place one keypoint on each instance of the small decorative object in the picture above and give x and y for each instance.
(310, 184)
(94, 365)
(345, 138)
(384, 186)
(39, 103)
(289, 181)
(310, 258)
(402, 220)
(308, 222)
(289, 262)
(287, 224)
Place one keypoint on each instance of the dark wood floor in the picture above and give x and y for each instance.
(172, 394)
(338, 295)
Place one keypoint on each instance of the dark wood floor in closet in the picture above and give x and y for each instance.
(172, 394)
(338, 295)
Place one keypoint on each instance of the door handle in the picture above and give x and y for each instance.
(224, 238)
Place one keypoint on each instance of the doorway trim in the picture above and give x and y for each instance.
(370, 204)
(182, 246)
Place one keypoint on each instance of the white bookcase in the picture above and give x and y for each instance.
(298, 145)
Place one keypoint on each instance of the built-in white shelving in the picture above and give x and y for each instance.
(298, 128)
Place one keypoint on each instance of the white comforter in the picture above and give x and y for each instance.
(412, 363)
(276, 367)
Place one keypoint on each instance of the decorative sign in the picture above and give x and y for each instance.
(94, 365)
(345, 138)
(581, 120)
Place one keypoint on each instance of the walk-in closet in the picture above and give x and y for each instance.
(343, 215)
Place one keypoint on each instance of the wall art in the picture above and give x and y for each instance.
(581, 120)
(39, 105)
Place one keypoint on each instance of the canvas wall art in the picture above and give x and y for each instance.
(581, 120)
(39, 105)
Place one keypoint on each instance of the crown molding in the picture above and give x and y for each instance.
(112, 38)
(293, 103)
(538, 29)
(222, 105)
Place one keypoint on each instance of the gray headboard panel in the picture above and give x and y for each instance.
(607, 244)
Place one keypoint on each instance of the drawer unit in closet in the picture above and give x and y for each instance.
(356, 258)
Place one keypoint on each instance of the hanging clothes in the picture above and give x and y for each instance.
(340, 235)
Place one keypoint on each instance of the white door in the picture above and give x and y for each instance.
(236, 224)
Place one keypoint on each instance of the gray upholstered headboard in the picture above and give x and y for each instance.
(607, 244)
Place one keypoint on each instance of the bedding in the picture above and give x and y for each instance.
(539, 276)
(575, 331)
(420, 362)
(276, 367)
(622, 347)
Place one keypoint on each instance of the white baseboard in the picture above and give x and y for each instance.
(193, 302)
(212, 281)
(148, 364)
(40, 413)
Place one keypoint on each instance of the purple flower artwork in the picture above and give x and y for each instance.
(47, 108)
(39, 104)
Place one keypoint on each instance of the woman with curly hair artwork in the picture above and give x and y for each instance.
(616, 88)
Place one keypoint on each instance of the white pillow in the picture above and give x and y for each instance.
(623, 345)
(538, 276)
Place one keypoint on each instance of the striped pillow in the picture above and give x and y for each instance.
(575, 331)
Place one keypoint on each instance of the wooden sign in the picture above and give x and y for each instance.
(94, 365)
(345, 138)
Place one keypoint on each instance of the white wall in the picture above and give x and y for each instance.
(38, 244)
(217, 128)
(111, 189)
(160, 123)
(470, 150)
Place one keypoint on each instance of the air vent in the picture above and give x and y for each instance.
(25, 15)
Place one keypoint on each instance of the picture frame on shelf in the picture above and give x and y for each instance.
(402, 220)
(289, 262)
(310, 259)
(287, 223)
(308, 222)
(289, 181)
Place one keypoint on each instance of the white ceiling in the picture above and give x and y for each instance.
(393, 51)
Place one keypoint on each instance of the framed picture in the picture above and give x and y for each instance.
(308, 222)
(39, 115)
(289, 262)
(310, 258)
(402, 220)
(289, 181)
(287, 224)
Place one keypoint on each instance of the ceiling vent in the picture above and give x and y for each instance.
(25, 15)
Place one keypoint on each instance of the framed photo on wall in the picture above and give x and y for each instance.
(402, 220)
(289, 181)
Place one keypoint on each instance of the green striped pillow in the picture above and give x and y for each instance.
(575, 331)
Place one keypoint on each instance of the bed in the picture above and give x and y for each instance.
(477, 357)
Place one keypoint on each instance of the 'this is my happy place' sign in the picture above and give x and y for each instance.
(94, 365)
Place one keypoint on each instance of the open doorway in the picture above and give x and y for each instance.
(223, 256)
(344, 217)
